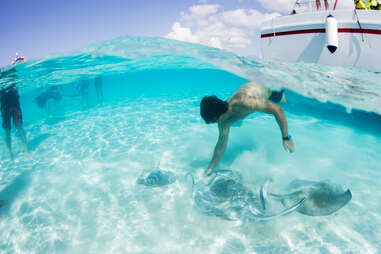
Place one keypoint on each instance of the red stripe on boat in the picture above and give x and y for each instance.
(358, 30)
(322, 30)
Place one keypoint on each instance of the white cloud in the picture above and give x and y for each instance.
(182, 34)
(209, 25)
(248, 18)
(215, 42)
(279, 5)
(204, 10)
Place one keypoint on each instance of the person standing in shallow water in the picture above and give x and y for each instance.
(99, 89)
(83, 89)
(249, 98)
(10, 108)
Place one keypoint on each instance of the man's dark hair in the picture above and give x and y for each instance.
(211, 108)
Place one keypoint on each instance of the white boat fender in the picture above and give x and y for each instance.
(331, 33)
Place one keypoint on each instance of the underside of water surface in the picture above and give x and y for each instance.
(76, 190)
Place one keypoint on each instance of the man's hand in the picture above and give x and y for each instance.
(208, 171)
(288, 145)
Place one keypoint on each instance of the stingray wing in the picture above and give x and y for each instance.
(321, 198)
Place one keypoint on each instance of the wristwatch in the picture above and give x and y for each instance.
(287, 138)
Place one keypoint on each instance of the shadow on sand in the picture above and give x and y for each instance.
(54, 120)
(11, 192)
(34, 143)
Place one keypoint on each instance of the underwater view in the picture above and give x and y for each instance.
(118, 150)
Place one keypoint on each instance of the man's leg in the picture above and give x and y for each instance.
(8, 141)
(99, 91)
(6, 118)
(17, 121)
(22, 136)
(318, 5)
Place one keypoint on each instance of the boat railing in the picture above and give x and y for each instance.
(302, 6)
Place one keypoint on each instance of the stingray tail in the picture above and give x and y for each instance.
(192, 178)
(293, 195)
(263, 195)
(282, 213)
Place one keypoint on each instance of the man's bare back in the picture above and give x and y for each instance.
(249, 98)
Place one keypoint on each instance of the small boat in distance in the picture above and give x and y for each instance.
(304, 37)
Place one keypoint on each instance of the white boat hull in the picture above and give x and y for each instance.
(302, 38)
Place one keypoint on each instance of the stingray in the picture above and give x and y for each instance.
(321, 198)
(156, 178)
(224, 195)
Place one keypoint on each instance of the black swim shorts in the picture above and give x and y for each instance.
(6, 115)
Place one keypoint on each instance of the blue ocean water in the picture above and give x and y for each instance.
(77, 192)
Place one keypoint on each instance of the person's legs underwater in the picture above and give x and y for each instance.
(6, 118)
(8, 142)
(17, 121)
(21, 132)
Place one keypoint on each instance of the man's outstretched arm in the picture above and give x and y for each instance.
(280, 117)
(220, 148)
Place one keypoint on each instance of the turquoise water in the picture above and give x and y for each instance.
(76, 191)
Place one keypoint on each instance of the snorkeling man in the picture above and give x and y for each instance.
(10, 108)
(249, 98)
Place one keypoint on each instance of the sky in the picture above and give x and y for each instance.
(38, 28)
